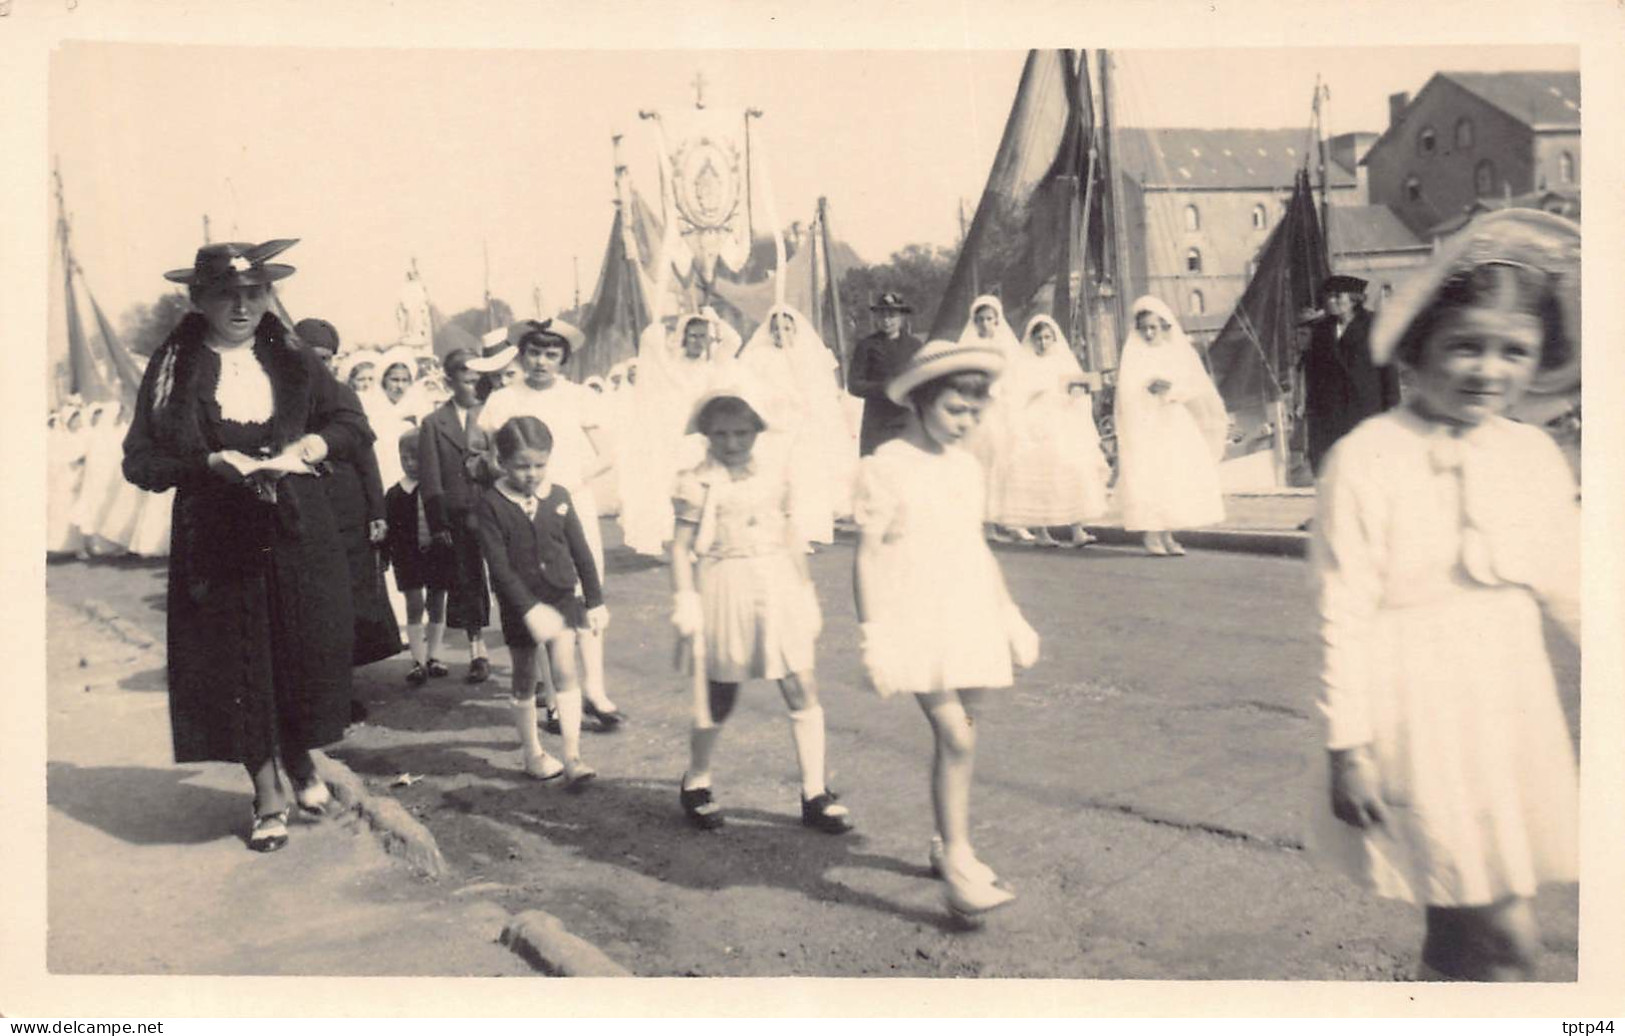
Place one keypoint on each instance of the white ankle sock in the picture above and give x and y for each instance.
(524, 723)
(476, 646)
(807, 731)
(414, 639)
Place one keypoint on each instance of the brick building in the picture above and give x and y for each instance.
(1199, 204)
(1471, 138)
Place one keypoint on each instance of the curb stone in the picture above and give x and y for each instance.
(542, 939)
(400, 833)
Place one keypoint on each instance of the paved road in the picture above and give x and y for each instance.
(1143, 788)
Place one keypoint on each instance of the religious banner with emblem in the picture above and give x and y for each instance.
(704, 159)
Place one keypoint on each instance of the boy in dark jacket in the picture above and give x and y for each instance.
(420, 563)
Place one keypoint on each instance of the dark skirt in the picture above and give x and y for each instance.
(261, 626)
(377, 635)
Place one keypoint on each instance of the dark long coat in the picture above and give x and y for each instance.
(875, 359)
(1341, 385)
(260, 622)
(355, 491)
(446, 452)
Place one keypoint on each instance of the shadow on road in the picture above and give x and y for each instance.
(637, 825)
(145, 806)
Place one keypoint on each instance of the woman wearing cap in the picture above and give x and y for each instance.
(233, 416)
(797, 372)
(937, 620)
(393, 407)
(875, 359)
(1442, 531)
(1171, 429)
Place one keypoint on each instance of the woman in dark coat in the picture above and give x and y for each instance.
(355, 492)
(234, 417)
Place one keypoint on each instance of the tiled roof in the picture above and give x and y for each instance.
(1214, 159)
(1540, 100)
(1370, 228)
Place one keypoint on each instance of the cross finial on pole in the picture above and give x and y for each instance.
(699, 84)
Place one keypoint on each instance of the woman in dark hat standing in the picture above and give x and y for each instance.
(234, 416)
(1342, 387)
(875, 360)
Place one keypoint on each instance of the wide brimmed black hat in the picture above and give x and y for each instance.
(891, 300)
(1342, 282)
(235, 264)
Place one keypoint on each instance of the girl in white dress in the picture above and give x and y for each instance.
(744, 601)
(65, 450)
(1055, 472)
(1442, 530)
(937, 620)
(797, 372)
(1171, 428)
(989, 440)
(673, 368)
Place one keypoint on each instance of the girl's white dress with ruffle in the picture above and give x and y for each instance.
(1434, 554)
(934, 584)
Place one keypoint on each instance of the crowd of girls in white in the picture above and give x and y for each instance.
(1444, 530)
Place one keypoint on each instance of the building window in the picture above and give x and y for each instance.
(1426, 142)
(1193, 219)
(1198, 304)
(1464, 133)
(1261, 217)
(1193, 260)
(1565, 167)
(1484, 178)
(1413, 189)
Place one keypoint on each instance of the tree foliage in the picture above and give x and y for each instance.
(917, 272)
(144, 327)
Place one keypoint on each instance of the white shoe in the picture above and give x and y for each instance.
(976, 868)
(577, 774)
(968, 893)
(543, 767)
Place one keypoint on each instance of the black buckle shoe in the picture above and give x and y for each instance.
(701, 809)
(826, 814)
(479, 670)
(416, 676)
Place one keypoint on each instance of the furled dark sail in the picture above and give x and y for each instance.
(1026, 226)
(1255, 357)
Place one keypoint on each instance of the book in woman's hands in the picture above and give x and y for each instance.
(288, 462)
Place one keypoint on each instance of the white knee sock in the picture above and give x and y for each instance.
(569, 706)
(524, 723)
(592, 669)
(437, 634)
(476, 645)
(807, 730)
(414, 639)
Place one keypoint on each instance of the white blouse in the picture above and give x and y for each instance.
(1412, 512)
(244, 389)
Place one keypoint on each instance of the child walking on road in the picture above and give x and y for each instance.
(744, 601)
(424, 567)
(1443, 529)
(537, 552)
(937, 620)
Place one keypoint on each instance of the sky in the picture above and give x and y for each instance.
(458, 158)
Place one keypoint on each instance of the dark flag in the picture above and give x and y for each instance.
(620, 309)
(1255, 356)
(86, 378)
(1025, 230)
(124, 365)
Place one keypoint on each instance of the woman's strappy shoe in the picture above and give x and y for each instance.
(270, 832)
(700, 808)
(826, 814)
(608, 719)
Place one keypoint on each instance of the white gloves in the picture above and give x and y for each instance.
(598, 618)
(686, 613)
(543, 623)
(879, 647)
(1023, 638)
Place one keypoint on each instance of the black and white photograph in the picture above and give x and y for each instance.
(530, 499)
